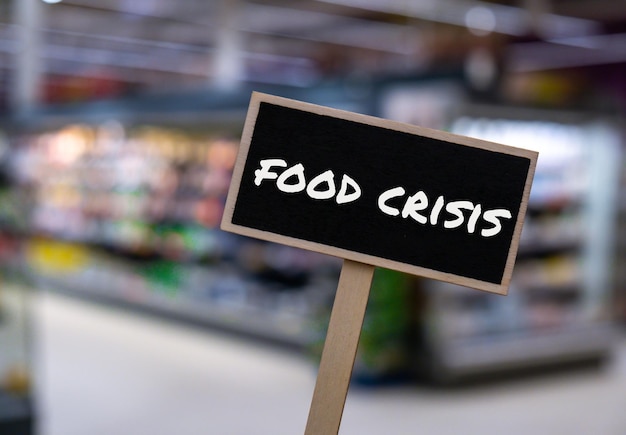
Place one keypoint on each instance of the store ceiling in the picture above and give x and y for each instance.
(161, 43)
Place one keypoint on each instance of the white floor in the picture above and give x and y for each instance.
(103, 371)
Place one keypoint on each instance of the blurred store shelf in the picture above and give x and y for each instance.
(126, 211)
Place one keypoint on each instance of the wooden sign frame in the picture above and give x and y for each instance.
(365, 258)
(348, 311)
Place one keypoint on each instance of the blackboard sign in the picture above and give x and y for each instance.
(380, 192)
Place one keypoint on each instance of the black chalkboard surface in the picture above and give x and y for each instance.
(380, 192)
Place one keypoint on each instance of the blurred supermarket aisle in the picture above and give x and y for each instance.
(103, 371)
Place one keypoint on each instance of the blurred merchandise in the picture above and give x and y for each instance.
(385, 341)
(131, 215)
(384, 352)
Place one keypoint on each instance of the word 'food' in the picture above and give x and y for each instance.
(292, 180)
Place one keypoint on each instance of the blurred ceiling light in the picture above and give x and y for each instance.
(508, 20)
(481, 69)
(318, 27)
(567, 53)
(480, 20)
(306, 25)
(51, 2)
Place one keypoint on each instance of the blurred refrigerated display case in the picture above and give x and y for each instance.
(559, 306)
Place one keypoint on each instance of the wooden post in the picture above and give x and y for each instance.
(342, 339)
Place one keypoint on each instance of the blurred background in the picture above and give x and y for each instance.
(125, 310)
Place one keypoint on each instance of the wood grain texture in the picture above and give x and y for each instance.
(340, 348)
(510, 255)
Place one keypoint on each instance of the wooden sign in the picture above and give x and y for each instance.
(376, 193)
(379, 192)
